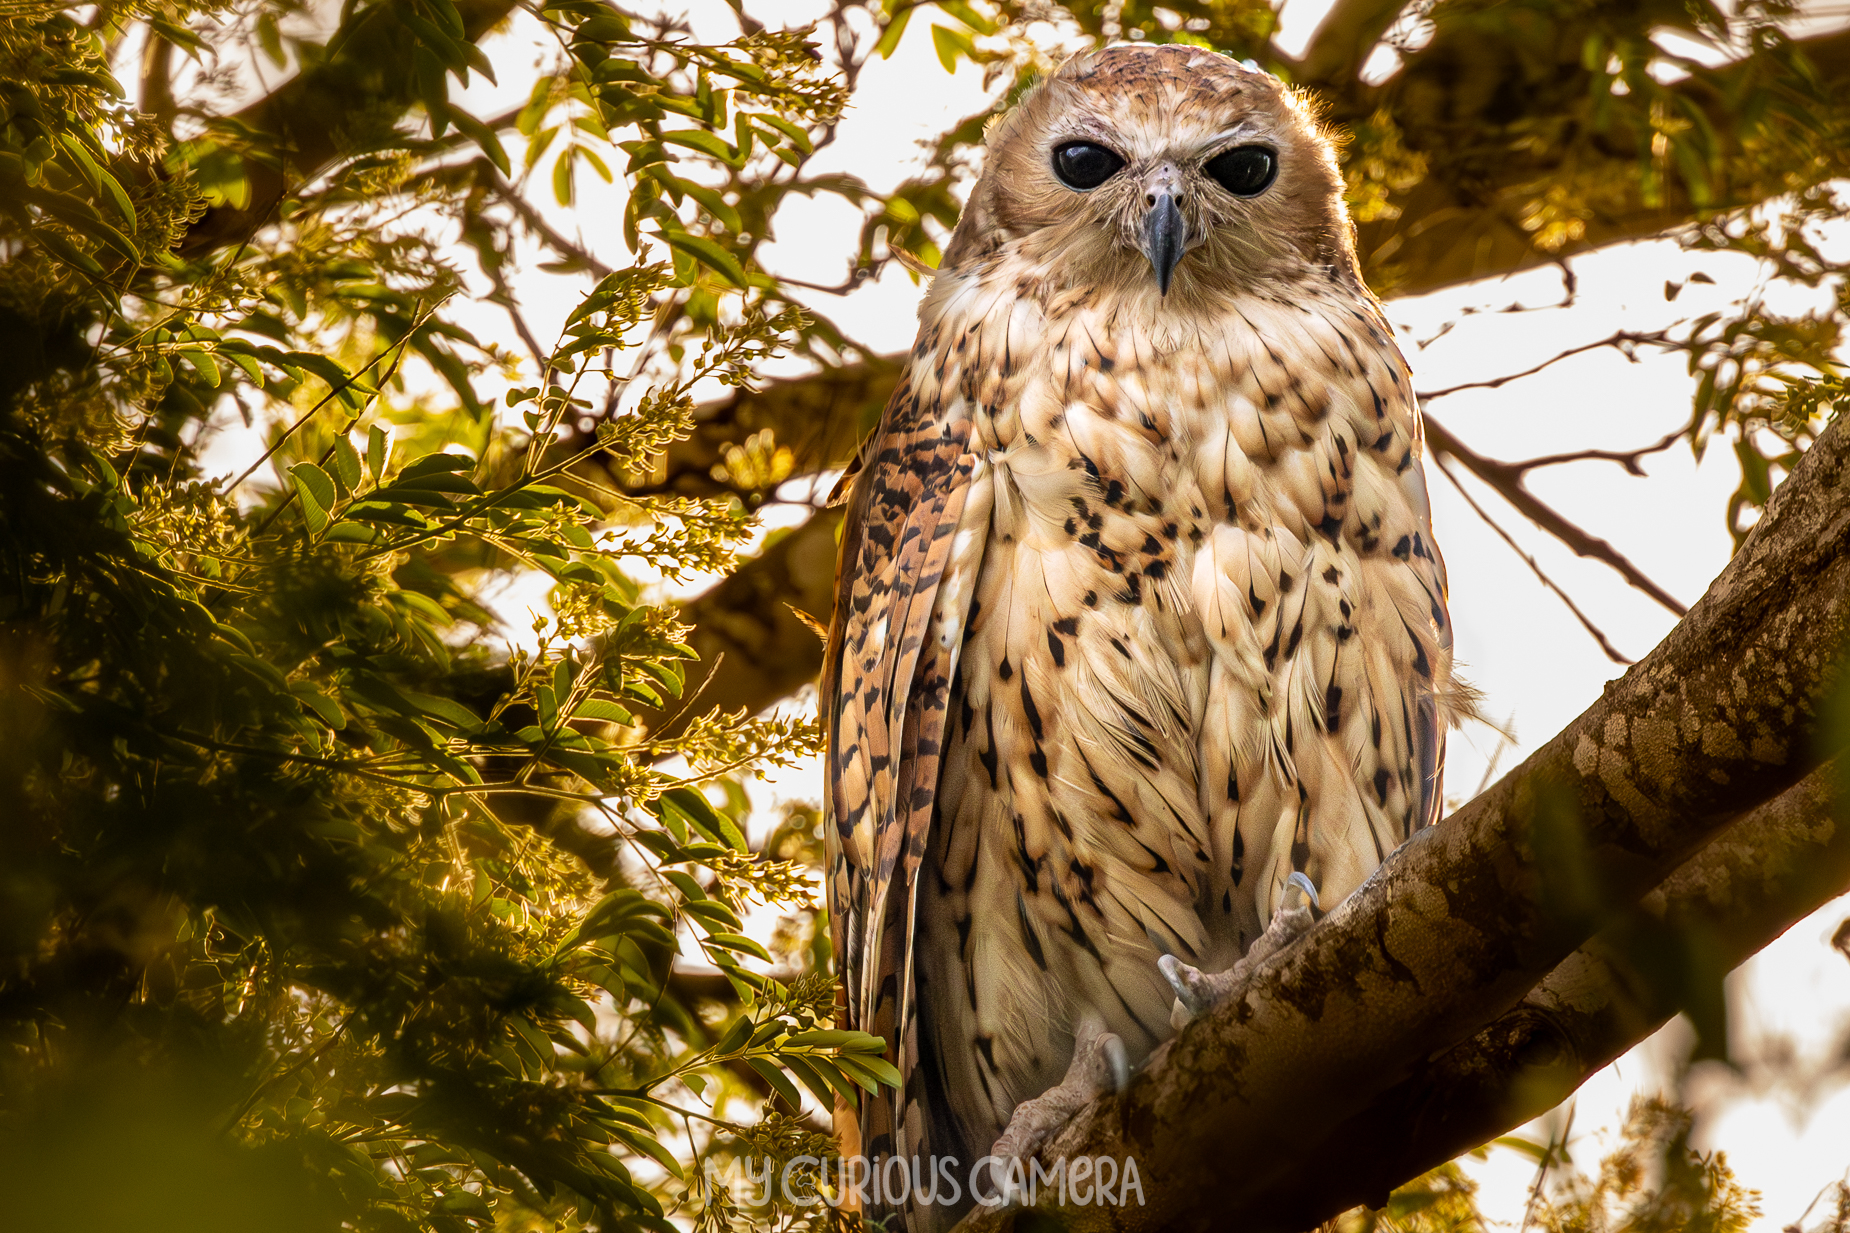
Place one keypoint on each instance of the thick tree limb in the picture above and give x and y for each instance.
(1465, 921)
(1345, 37)
(1477, 100)
(1776, 866)
(330, 111)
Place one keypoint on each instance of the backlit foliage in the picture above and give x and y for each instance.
(327, 904)
(1652, 1182)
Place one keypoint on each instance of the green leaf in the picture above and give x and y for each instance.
(833, 1076)
(538, 145)
(895, 29)
(338, 379)
(881, 1069)
(353, 533)
(66, 252)
(424, 604)
(79, 215)
(709, 254)
(862, 1070)
(969, 16)
(650, 1147)
(712, 913)
(100, 177)
(808, 1076)
(738, 942)
(482, 136)
(270, 38)
(562, 176)
(708, 820)
(445, 710)
(705, 142)
(686, 883)
(823, 1037)
(951, 44)
(433, 464)
(317, 493)
(346, 461)
(597, 708)
(391, 513)
(203, 364)
(798, 137)
(606, 27)
(715, 204)
(775, 1077)
(465, 1203)
(734, 1037)
(319, 703)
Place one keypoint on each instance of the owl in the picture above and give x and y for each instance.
(1141, 645)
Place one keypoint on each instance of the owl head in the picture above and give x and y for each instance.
(1160, 167)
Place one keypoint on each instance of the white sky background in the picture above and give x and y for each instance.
(1519, 644)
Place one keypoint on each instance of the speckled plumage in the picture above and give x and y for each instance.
(1139, 607)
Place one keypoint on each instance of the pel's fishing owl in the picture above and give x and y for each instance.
(1140, 623)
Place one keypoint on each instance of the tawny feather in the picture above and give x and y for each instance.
(1139, 611)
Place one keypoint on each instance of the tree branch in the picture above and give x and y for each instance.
(1613, 653)
(325, 113)
(1624, 340)
(1507, 479)
(1343, 40)
(1776, 866)
(1472, 100)
(1465, 921)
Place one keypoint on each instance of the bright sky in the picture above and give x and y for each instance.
(1536, 666)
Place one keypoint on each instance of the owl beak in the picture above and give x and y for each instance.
(1165, 235)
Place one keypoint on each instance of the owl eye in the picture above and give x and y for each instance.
(1244, 171)
(1083, 165)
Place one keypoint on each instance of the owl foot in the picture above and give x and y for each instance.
(1198, 991)
(1099, 1065)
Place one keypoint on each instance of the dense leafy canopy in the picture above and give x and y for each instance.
(320, 908)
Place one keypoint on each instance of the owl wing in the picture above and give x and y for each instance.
(1430, 724)
(901, 600)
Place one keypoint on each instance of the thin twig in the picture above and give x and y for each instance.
(1622, 339)
(1505, 742)
(1542, 1166)
(1506, 478)
(333, 391)
(1612, 652)
(397, 351)
(1625, 458)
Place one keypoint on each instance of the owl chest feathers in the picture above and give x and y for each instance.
(1196, 576)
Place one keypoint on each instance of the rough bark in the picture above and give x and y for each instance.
(1774, 867)
(1464, 922)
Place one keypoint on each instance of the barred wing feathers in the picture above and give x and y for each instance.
(911, 541)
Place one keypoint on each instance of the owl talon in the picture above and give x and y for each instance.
(1100, 1064)
(1197, 991)
(1302, 884)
